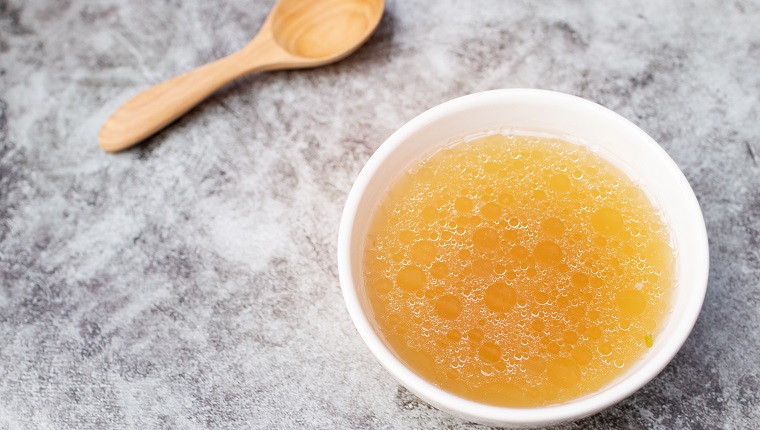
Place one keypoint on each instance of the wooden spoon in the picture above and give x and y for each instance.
(296, 34)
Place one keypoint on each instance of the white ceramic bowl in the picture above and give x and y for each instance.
(545, 112)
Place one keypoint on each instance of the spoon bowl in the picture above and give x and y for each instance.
(296, 34)
(324, 31)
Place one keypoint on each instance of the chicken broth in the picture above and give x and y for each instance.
(517, 271)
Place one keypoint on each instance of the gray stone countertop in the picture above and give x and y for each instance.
(191, 282)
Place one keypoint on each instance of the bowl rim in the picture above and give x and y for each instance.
(592, 403)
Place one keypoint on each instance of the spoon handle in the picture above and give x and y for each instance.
(158, 106)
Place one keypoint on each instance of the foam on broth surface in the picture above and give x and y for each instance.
(517, 271)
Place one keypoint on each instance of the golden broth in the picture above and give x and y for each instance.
(517, 271)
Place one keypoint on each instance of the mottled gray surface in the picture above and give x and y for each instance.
(191, 282)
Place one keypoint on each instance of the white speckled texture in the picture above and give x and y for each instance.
(191, 282)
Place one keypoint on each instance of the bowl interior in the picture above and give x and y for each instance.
(548, 113)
